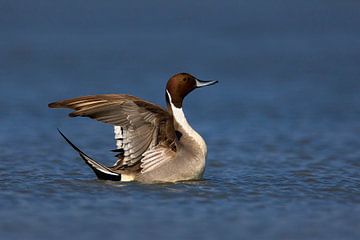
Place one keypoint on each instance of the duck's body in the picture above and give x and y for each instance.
(153, 144)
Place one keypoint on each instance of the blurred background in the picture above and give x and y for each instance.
(282, 126)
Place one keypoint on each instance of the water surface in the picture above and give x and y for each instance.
(282, 126)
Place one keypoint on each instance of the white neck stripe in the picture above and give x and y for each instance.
(179, 115)
(180, 118)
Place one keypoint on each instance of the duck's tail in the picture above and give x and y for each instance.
(101, 171)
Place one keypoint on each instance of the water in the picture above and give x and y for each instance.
(282, 126)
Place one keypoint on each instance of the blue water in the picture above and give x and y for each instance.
(282, 126)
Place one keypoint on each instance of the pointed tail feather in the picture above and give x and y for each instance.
(101, 171)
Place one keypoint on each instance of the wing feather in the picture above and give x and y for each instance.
(137, 124)
(155, 157)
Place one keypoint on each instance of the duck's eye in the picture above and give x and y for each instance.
(185, 79)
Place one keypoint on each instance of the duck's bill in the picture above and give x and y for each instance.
(201, 83)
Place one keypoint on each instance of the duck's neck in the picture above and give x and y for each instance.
(185, 131)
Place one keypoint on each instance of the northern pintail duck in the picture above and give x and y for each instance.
(153, 144)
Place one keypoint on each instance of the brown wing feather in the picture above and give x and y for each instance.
(140, 119)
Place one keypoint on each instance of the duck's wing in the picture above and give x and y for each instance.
(155, 157)
(139, 126)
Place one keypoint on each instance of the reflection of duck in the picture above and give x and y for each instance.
(153, 145)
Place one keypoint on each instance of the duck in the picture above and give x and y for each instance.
(153, 144)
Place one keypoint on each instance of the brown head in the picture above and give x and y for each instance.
(182, 84)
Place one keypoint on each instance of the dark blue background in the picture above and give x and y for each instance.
(282, 126)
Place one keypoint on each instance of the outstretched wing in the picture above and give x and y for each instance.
(139, 125)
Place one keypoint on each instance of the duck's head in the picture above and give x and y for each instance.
(182, 84)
